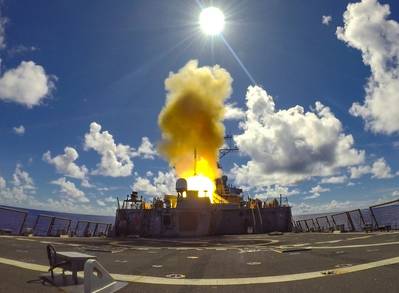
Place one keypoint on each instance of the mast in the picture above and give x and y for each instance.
(195, 161)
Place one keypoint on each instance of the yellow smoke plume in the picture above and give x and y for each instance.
(192, 118)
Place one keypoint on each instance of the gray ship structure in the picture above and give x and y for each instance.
(188, 215)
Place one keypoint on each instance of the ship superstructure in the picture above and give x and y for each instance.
(187, 214)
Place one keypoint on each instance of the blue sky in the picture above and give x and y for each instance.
(67, 64)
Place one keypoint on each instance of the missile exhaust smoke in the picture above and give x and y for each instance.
(191, 122)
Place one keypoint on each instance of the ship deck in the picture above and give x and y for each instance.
(303, 262)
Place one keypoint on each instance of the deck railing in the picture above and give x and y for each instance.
(383, 216)
(12, 221)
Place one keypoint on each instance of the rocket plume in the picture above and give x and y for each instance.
(192, 120)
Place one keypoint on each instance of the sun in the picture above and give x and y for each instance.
(211, 21)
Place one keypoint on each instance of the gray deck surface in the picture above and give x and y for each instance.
(241, 256)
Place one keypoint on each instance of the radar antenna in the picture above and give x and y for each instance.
(228, 147)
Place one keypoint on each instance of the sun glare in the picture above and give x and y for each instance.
(211, 21)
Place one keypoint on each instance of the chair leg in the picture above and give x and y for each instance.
(52, 275)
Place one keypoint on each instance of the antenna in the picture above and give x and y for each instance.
(230, 146)
(195, 161)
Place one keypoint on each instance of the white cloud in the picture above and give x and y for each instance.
(109, 199)
(70, 191)
(115, 158)
(65, 164)
(277, 190)
(334, 180)
(326, 19)
(22, 179)
(20, 130)
(379, 169)
(232, 112)
(368, 29)
(144, 185)
(395, 193)
(20, 49)
(315, 191)
(332, 206)
(163, 183)
(66, 205)
(289, 146)
(21, 190)
(146, 149)
(28, 84)
(100, 202)
(359, 171)
(3, 183)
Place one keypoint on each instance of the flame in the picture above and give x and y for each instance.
(202, 184)
(204, 179)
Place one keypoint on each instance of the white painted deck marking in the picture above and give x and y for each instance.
(354, 245)
(360, 237)
(254, 263)
(222, 281)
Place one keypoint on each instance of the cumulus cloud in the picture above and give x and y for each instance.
(326, 19)
(232, 112)
(315, 191)
(21, 178)
(359, 171)
(115, 158)
(28, 84)
(277, 190)
(100, 202)
(21, 189)
(70, 191)
(334, 180)
(159, 185)
(3, 183)
(368, 29)
(332, 206)
(289, 146)
(20, 130)
(65, 164)
(144, 185)
(379, 169)
(146, 149)
(109, 199)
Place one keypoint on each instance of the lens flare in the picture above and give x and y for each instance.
(211, 21)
